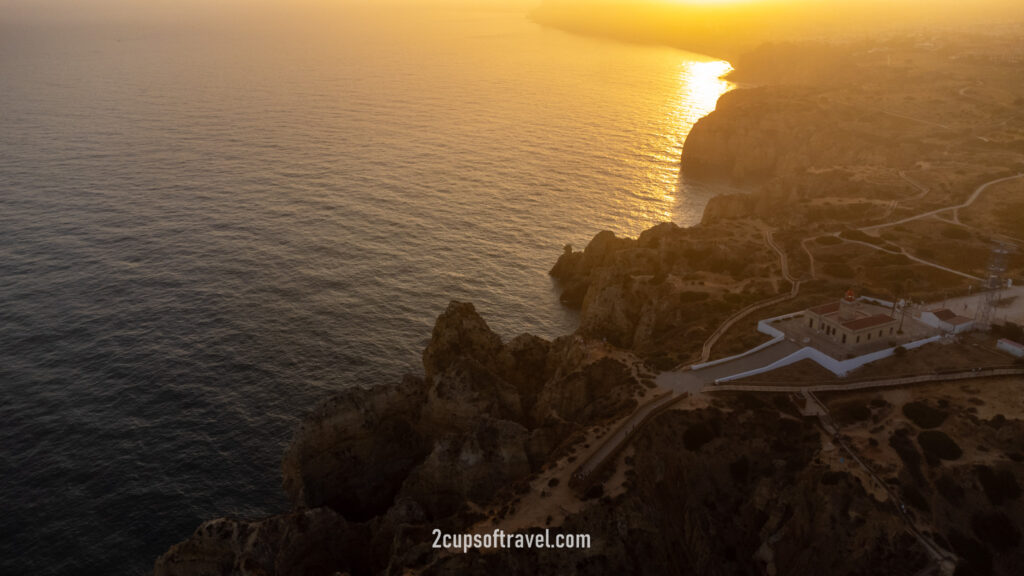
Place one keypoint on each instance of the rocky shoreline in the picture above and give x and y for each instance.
(371, 470)
(734, 484)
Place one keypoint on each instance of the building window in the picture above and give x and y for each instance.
(890, 329)
(869, 336)
(858, 339)
(879, 333)
(844, 338)
(810, 323)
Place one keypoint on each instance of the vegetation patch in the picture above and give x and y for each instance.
(975, 557)
(937, 445)
(698, 435)
(851, 412)
(740, 470)
(831, 478)
(923, 415)
(996, 530)
(904, 447)
(999, 485)
(950, 490)
(914, 497)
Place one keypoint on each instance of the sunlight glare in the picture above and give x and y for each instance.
(700, 84)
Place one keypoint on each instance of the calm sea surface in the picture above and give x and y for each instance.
(204, 229)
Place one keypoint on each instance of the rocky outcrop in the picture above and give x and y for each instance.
(370, 466)
(649, 294)
(721, 494)
(460, 333)
(469, 468)
(756, 134)
(355, 450)
(595, 392)
(317, 541)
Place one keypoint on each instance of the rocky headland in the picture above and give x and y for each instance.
(491, 431)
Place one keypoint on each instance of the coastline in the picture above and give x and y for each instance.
(519, 412)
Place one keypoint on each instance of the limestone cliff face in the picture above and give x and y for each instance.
(316, 541)
(721, 494)
(758, 133)
(469, 467)
(593, 392)
(355, 450)
(369, 463)
(649, 294)
(460, 333)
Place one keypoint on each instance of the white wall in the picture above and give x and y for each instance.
(838, 367)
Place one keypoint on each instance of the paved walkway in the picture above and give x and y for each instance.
(683, 381)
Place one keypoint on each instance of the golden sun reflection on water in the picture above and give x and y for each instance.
(699, 85)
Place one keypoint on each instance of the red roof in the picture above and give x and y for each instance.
(826, 308)
(948, 316)
(869, 322)
(1011, 343)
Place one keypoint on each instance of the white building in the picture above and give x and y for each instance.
(946, 320)
(1011, 347)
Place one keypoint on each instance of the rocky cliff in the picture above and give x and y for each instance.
(371, 464)
(662, 294)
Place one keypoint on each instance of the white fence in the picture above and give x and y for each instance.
(764, 327)
(838, 367)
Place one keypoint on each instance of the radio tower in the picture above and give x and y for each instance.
(994, 283)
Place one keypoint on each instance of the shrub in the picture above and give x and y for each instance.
(999, 485)
(739, 470)
(595, 491)
(937, 446)
(975, 556)
(996, 530)
(901, 443)
(698, 435)
(950, 490)
(923, 415)
(831, 478)
(914, 497)
(851, 412)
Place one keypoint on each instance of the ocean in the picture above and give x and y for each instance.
(206, 226)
